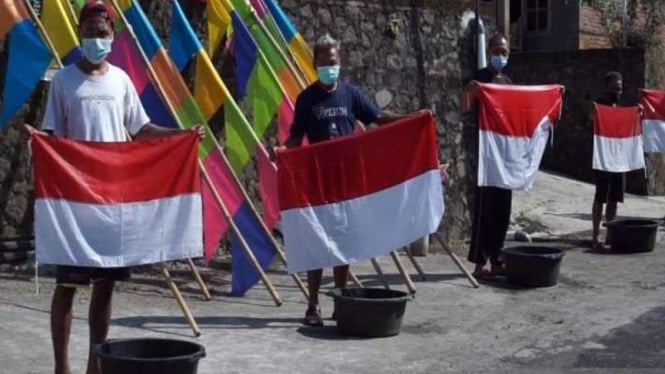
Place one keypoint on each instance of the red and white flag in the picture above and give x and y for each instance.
(515, 123)
(617, 139)
(653, 120)
(361, 196)
(117, 204)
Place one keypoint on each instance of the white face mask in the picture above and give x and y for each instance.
(96, 50)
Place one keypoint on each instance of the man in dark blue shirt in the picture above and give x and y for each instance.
(326, 110)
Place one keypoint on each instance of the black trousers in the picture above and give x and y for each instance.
(491, 218)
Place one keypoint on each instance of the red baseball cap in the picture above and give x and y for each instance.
(97, 9)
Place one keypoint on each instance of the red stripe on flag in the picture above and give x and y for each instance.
(268, 187)
(108, 173)
(517, 110)
(617, 122)
(357, 165)
(214, 222)
(284, 120)
(653, 102)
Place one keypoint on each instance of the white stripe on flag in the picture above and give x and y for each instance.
(364, 227)
(618, 155)
(653, 131)
(113, 235)
(511, 162)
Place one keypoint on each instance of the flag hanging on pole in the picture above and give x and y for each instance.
(28, 58)
(214, 161)
(58, 26)
(211, 94)
(296, 43)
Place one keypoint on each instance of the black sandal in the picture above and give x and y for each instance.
(313, 317)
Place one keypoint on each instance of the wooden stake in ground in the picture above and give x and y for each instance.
(181, 301)
(199, 280)
(457, 262)
(415, 263)
(379, 272)
(400, 267)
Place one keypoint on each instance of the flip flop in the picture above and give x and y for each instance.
(482, 274)
(313, 318)
(501, 271)
(598, 247)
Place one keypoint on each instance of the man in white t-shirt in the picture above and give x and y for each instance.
(93, 100)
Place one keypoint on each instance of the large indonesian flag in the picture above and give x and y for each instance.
(515, 123)
(653, 120)
(617, 139)
(117, 204)
(360, 196)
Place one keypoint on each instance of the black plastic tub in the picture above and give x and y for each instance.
(632, 235)
(149, 356)
(532, 266)
(369, 312)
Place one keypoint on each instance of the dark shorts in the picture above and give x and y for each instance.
(609, 186)
(82, 276)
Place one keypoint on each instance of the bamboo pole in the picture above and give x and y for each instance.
(199, 280)
(355, 279)
(379, 272)
(457, 262)
(400, 267)
(54, 52)
(415, 263)
(181, 301)
(267, 283)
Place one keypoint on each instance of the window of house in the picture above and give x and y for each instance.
(537, 15)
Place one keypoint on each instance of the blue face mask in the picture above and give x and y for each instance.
(499, 62)
(95, 50)
(328, 75)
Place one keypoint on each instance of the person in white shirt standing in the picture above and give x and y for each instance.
(93, 100)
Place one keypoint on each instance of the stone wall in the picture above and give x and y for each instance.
(582, 73)
(422, 62)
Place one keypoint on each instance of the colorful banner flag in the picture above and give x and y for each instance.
(211, 94)
(653, 120)
(56, 19)
(515, 123)
(257, 83)
(339, 201)
(617, 139)
(296, 43)
(96, 206)
(218, 168)
(28, 58)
